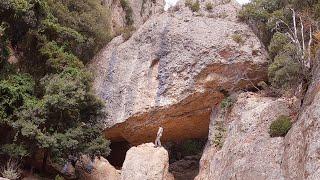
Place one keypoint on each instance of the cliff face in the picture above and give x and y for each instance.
(141, 10)
(246, 150)
(302, 142)
(173, 70)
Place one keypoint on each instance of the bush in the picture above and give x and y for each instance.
(11, 170)
(89, 18)
(128, 32)
(129, 12)
(209, 6)
(277, 44)
(285, 72)
(226, 103)
(280, 127)
(238, 38)
(194, 6)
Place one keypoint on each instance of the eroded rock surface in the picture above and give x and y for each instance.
(246, 152)
(141, 11)
(146, 162)
(303, 140)
(172, 71)
(102, 170)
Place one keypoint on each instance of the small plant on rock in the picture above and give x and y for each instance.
(194, 6)
(209, 6)
(238, 38)
(226, 103)
(280, 127)
(219, 135)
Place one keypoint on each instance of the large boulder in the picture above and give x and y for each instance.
(246, 150)
(173, 70)
(146, 162)
(101, 170)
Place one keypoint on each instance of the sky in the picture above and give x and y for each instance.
(173, 2)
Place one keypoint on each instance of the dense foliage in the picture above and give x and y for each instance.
(274, 24)
(46, 101)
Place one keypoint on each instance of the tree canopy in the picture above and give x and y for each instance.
(46, 99)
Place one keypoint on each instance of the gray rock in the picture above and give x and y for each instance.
(146, 162)
(302, 151)
(248, 152)
(173, 70)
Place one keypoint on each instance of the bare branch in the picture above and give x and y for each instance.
(302, 39)
(308, 65)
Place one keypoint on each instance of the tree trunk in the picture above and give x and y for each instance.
(44, 160)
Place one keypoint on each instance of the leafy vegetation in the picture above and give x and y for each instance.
(46, 101)
(226, 103)
(238, 38)
(209, 6)
(280, 127)
(287, 29)
(129, 12)
(194, 6)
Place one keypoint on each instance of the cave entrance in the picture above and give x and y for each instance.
(118, 153)
(184, 158)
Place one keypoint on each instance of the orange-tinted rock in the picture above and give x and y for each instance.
(173, 70)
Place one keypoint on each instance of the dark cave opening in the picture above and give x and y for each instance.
(118, 153)
(184, 158)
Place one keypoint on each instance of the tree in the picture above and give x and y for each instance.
(46, 101)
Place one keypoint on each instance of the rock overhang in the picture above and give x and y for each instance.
(173, 71)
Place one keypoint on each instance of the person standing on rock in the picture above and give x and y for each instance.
(159, 135)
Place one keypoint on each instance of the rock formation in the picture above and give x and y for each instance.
(141, 11)
(302, 142)
(102, 170)
(246, 151)
(146, 162)
(173, 70)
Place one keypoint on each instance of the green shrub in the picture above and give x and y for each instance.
(48, 102)
(128, 11)
(209, 6)
(280, 127)
(238, 38)
(277, 44)
(188, 3)
(88, 18)
(194, 6)
(127, 32)
(58, 177)
(285, 72)
(226, 103)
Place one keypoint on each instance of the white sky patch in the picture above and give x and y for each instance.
(170, 3)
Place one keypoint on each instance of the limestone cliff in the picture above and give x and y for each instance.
(246, 151)
(141, 10)
(174, 69)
